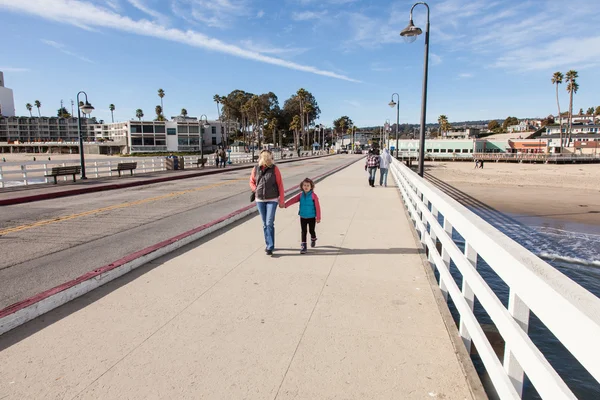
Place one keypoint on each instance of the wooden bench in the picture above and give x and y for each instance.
(64, 171)
(125, 166)
(200, 162)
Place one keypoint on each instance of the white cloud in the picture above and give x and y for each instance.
(435, 59)
(561, 53)
(465, 75)
(141, 5)
(62, 48)
(88, 15)
(12, 69)
(260, 14)
(266, 48)
(214, 13)
(308, 15)
(114, 4)
(353, 103)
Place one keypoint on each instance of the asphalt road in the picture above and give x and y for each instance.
(47, 243)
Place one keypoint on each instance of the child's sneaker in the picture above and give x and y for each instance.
(303, 248)
(313, 242)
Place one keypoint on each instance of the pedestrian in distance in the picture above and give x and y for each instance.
(222, 157)
(371, 166)
(309, 212)
(217, 159)
(385, 159)
(268, 192)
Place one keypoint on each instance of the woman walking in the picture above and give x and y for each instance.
(267, 186)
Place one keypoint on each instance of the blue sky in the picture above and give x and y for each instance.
(489, 59)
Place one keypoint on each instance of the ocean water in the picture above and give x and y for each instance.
(574, 250)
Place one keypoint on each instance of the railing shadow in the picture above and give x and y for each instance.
(336, 251)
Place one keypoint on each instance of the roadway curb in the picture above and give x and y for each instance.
(114, 186)
(26, 310)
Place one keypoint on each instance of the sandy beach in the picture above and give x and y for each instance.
(562, 192)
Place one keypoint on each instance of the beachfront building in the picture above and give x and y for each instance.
(440, 146)
(519, 146)
(581, 143)
(42, 130)
(7, 100)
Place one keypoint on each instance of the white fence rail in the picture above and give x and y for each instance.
(32, 172)
(570, 312)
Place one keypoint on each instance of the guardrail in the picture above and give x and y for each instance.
(570, 312)
(32, 172)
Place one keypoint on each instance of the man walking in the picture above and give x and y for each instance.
(384, 165)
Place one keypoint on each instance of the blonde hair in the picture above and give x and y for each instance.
(265, 159)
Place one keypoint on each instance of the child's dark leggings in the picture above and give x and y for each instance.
(310, 224)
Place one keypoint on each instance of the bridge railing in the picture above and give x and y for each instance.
(569, 311)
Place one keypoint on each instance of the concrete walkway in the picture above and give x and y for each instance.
(355, 318)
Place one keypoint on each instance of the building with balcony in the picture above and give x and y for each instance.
(7, 100)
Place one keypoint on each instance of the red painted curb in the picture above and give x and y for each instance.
(13, 308)
(114, 186)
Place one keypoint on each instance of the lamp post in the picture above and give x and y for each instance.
(206, 125)
(86, 108)
(392, 104)
(387, 133)
(410, 34)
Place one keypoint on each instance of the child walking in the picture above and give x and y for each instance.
(309, 212)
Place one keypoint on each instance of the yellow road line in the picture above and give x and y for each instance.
(113, 207)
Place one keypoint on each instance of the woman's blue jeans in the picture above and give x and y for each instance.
(267, 210)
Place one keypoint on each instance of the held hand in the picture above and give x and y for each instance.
(318, 221)
(281, 204)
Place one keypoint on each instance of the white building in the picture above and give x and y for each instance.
(7, 100)
(577, 129)
(178, 135)
(523, 126)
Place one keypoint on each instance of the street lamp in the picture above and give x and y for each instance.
(410, 34)
(387, 132)
(392, 104)
(206, 125)
(86, 108)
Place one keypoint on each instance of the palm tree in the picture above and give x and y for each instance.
(38, 105)
(159, 111)
(184, 112)
(161, 94)
(572, 87)
(139, 114)
(557, 79)
(29, 107)
(217, 99)
(112, 109)
(295, 126)
(444, 124)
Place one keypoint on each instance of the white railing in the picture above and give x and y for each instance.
(32, 172)
(16, 174)
(570, 312)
